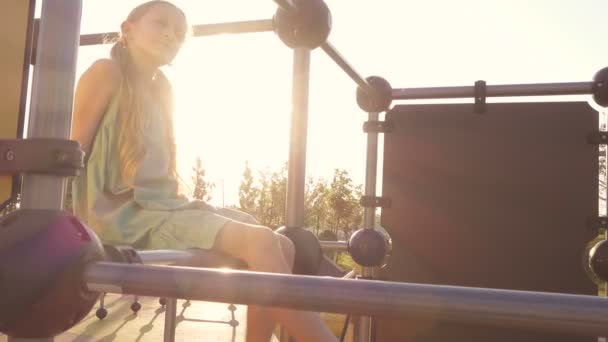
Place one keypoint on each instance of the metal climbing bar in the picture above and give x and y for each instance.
(331, 246)
(564, 313)
(164, 256)
(331, 51)
(296, 176)
(170, 256)
(538, 89)
(249, 26)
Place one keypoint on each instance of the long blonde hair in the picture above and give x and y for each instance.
(131, 121)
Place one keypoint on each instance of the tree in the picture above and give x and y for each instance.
(202, 189)
(272, 197)
(316, 205)
(343, 197)
(248, 193)
(264, 200)
(278, 196)
(332, 207)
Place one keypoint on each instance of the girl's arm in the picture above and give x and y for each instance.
(94, 91)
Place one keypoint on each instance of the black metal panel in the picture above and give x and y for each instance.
(499, 200)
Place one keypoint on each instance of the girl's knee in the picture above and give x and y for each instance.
(246, 241)
(248, 218)
(261, 236)
(238, 215)
(288, 249)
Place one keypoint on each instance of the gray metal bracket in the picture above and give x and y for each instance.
(53, 156)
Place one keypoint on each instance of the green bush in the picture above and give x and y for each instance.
(345, 262)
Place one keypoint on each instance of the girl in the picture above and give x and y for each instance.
(128, 192)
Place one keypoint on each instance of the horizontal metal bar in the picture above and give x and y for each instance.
(194, 257)
(164, 256)
(347, 68)
(539, 89)
(580, 314)
(350, 275)
(333, 245)
(250, 26)
(98, 38)
(169, 256)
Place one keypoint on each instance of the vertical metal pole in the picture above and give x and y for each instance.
(362, 331)
(52, 94)
(371, 166)
(602, 287)
(52, 97)
(356, 322)
(296, 176)
(170, 320)
(296, 172)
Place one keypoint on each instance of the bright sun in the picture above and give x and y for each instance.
(230, 105)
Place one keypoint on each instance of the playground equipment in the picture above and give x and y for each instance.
(454, 255)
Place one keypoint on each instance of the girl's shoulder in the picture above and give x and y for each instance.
(94, 92)
(105, 64)
(104, 70)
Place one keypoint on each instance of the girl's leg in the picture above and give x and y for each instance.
(260, 324)
(261, 248)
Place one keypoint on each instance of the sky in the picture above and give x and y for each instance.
(233, 92)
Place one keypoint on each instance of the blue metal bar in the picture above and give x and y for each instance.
(562, 313)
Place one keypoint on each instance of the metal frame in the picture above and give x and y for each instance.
(51, 106)
(57, 46)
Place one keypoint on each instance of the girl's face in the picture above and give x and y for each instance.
(157, 35)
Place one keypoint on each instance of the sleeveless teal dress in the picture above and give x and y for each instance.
(150, 214)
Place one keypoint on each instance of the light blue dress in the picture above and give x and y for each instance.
(151, 214)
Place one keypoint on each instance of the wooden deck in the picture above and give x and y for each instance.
(196, 321)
